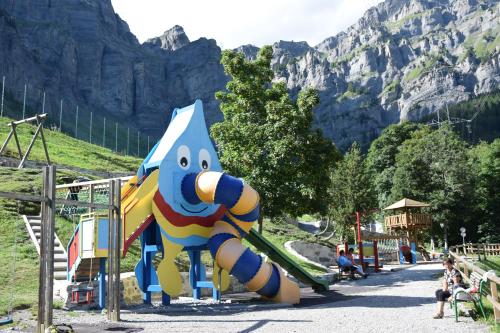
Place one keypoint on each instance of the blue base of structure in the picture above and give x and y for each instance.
(6, 320)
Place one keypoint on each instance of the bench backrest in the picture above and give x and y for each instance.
(476, 281)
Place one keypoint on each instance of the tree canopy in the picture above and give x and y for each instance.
(381, 158)
(268, 139)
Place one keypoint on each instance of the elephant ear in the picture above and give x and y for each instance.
(137, 209)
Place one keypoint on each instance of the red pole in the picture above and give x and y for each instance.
(375, 254)
(360, 241)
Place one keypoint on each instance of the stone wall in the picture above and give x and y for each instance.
(313, 253)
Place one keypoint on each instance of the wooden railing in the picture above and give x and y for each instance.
(408, 220)
(478, 249)
(466, 268)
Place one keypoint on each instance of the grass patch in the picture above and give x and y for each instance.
(68, 151)
(397, 25)
(391, 87)
(422, 68)
(491, 263)
(280, 233)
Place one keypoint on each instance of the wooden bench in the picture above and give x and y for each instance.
(477, 283)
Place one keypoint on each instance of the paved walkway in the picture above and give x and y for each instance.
(388, 302)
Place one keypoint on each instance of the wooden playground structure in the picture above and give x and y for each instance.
(403, 228)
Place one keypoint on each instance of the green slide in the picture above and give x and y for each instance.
(276, 255)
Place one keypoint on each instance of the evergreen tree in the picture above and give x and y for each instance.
(350, 191)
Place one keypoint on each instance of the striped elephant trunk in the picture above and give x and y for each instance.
(242, 203)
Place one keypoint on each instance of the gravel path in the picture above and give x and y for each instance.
(387, 302)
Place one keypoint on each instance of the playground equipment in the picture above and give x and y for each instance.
(38, 119)
(407, 223)
(180, 200)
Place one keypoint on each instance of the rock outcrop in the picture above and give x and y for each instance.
(404, 59)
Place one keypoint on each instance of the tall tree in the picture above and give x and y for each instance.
(350, 191)
(485, 165)
(267, 138)
(432, 167)
(381, 158)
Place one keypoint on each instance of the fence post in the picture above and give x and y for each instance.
(60, 116)
(484, 251)
(3, 91)
(24, 101)
(116, 296)
(90, 131)
(116, 137)
(138, 144)
(128, 137)
(76, 123)
(43, 103)
(110, 285)
(47, 229)
(148, 144)
(494, 295)
(104, 133)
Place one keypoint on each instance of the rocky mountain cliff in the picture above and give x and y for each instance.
(404, 59)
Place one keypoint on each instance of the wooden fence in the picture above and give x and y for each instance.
(466, 268)
(479, 249)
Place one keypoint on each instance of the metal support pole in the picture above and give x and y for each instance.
(116, 137)
(90, 131)
(91, 196)
(128, 139)
(43, 103)
(76, 123)
(104, 133)
(60, 116)
(24, 101)
(3, 92)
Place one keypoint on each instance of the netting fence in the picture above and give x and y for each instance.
(74, 120)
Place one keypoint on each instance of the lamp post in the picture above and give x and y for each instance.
(444, 225)
(463, 234)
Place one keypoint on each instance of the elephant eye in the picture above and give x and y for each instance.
(183, 157)
(204, 159)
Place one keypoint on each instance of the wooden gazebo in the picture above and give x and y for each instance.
(405, 219)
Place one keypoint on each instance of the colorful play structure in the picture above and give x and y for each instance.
(403, 230)
(181, 200)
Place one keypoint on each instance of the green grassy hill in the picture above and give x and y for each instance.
(65, 150)
(75, 158)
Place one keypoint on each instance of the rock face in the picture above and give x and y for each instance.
(402, 60)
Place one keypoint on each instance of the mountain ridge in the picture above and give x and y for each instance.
(402, 60)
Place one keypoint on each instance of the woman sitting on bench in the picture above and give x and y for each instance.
(346, 265)
(452, 280)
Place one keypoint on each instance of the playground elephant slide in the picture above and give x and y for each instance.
(181, 187)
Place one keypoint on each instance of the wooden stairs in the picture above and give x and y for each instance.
(33, 225)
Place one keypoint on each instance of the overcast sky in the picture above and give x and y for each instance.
(236, 22)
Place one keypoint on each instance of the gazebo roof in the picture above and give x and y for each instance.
(407, 203)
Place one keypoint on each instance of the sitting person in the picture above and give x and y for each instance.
(346, 265)
(350, 256)
(442, 295)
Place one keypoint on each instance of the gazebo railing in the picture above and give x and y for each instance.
(408, 220)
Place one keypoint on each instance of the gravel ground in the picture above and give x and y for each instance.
(400, 301)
